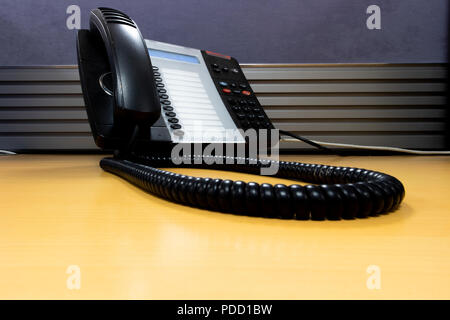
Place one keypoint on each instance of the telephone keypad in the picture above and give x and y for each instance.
(236, 93)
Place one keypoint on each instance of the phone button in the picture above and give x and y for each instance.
(164, 96)
(175, 126)
(171, 114)
(178, 132)
(155, 68)
(226, 90)
(223, 83)
(256, 124)
(166, 102)
(173, 120)
(245, 124)
(167, 108)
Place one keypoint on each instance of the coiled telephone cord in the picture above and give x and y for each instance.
(337, 192)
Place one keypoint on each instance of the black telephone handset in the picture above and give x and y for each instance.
(131, 69)
(128, 100)
(113, 58)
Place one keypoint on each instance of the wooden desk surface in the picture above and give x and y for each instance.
(63, 210)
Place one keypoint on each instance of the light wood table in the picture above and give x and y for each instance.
(62, 212)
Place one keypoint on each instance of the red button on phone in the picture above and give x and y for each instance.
(226, 90)
(247, 93)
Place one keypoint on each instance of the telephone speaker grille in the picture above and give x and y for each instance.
(114, 16)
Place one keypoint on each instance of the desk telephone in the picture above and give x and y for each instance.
(144, 96)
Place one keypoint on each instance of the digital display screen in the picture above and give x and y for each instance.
(172, 56)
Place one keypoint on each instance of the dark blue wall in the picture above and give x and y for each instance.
(293, 31)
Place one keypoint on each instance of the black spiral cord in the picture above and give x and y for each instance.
(337, 193)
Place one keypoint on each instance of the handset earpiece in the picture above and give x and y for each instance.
(133, 88)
